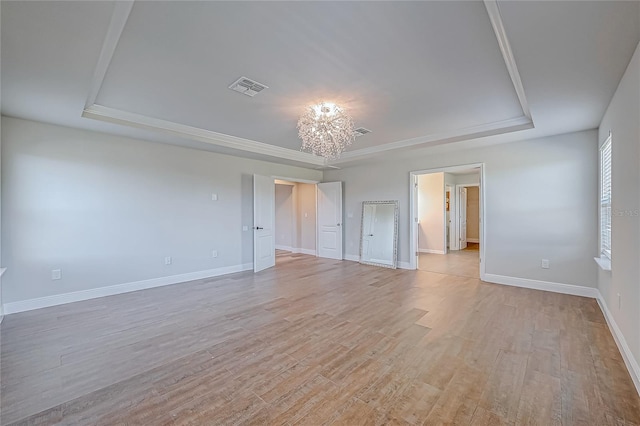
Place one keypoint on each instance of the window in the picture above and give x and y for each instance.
(605, 199)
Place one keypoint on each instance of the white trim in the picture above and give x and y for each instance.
(621, 342)
(575, 290)
(483, 130)
(112, 115)
(603, 263)
(295, 180)
(310, 252)
(405, 265)
(77, 296)
(121, 12)
(505, 47)
(473, 240)
(432, 251)
(352, 257)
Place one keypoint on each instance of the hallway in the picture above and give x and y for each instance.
(463, 263)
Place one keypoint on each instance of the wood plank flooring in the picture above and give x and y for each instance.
(315, 341)
(465, 263)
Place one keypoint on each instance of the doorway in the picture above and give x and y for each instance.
(294, 217)
(447, 220)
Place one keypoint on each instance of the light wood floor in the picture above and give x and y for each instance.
(465, 263)
(316, 341)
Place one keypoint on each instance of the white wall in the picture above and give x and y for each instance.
(431, 238)
(622, 118)
(107, 210)
(539, 197)
(285, 211)
(469, 178)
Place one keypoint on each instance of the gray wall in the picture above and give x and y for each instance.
(107, 210)
(622, 118)
(539, 197)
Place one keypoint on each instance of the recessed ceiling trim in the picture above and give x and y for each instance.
(488, 129)
(505, 47)
(121, 12)
(118, 21)
(112, 115)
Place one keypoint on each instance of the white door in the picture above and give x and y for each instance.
(264, 212)
(462, 218)
(330, 220)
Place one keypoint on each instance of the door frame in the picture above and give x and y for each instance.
(297, 180)
(457, 224)
(413, 210)
(448, 244)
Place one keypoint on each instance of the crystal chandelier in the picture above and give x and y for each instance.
(326, 130)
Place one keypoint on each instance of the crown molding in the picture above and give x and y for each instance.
(505, 47)
(488, 129)
(112, 115)
(121, 11)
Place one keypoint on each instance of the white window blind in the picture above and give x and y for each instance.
(605, 198)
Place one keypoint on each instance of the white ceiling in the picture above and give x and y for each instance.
(416, 73)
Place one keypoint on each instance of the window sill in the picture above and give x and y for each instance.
(603, 263)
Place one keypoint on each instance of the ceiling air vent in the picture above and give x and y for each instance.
(361, 131)
(247, 86)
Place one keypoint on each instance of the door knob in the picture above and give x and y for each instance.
(370, 235)
(338, 225)
(257, 227)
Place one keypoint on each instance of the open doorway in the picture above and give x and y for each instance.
(295, 219)
(447, 222)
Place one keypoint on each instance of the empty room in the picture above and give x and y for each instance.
(320, 212)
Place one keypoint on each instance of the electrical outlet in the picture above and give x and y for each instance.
(214, 253)
(245, 228)
(56, 274)
(167, 260)
(545, 263)
(214, 197)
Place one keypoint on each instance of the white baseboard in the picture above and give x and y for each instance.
(296, 250)
(621, 342)
(576, 290)
(352, 257)
(473, 240)
(405, 265)
(432, 251)
(77, 296)
(306, 251)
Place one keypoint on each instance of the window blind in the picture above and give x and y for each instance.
(605, 199)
